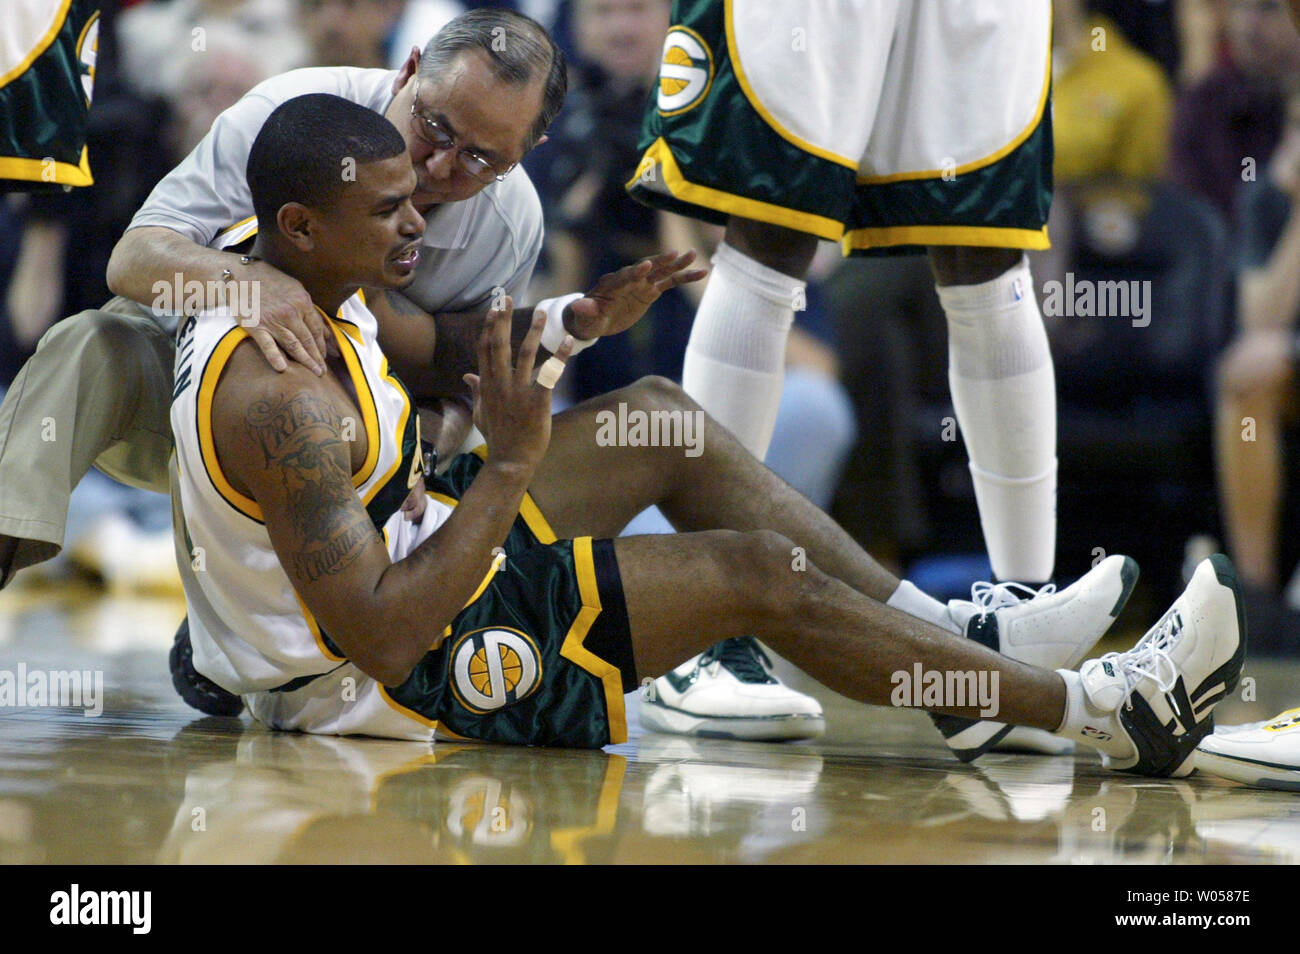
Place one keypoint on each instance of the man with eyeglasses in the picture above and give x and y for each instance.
(97, 391)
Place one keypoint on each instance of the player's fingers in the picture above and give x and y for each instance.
(553, 367)
(680, 278)
(528, 348)
(270, 350)
(498, 330)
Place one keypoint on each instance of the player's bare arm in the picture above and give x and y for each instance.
(285, 320)
(282, 440)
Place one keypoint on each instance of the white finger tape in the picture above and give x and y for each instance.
(550, 372)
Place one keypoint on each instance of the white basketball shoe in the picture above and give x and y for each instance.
(1042, 628)
(1163, 691)
(729, 692)
(1263, 754)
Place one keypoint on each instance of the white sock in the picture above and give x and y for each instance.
(916, 602)
(1004, 393)
(735, 361)
(1085, 722)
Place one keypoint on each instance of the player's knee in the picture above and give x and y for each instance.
(971, 265)
(102, 337)
(779, 578)
(655, 393)
(784, 250)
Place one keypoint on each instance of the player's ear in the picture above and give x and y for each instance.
(407, 71)
(295, 222)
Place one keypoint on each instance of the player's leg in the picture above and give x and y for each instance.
(679, 586)
(1145, 710)
(1004, 395)
(735, 359)
(97, 387)
(586, 489)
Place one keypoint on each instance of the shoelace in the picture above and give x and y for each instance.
(993, 596)
(1149, 658)
(743, 658)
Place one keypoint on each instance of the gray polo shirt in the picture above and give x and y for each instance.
(470, 247)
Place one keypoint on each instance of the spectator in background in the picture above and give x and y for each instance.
(1111, 102)
(162, 43)
(1256, 393)
(352, 32)
(1226, 126)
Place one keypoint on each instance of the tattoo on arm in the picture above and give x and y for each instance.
(300, 438)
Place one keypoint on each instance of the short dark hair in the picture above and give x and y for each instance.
(519, 49)
(301, 153)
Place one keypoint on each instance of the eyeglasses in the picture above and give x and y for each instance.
(471, 163)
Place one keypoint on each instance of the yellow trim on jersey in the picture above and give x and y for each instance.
(567, 842)
(208, 379)
(726, 202)
(573, 650)
(533, 517)
(42, 45)
(983, 236)
(369, 412)
(315, 631)
(33, 170)
(352, 331)
(993, 156)
(241, 230)
(763, 111)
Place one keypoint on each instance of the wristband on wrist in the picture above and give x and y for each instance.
(554, 333)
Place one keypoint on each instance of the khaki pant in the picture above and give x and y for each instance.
(97, 391)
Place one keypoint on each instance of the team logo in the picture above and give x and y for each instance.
(87, 53)
(494, 668)
(686, 71)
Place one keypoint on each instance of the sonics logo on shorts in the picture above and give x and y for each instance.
(686, 71)
(494, 668)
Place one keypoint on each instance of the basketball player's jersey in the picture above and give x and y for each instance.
(249, 629)
(47, 70)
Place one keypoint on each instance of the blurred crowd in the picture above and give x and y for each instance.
(1177, 163)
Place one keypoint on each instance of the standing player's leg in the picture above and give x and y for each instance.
(735, 360)
(1004, 394)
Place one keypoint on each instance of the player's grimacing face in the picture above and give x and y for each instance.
(372, 235)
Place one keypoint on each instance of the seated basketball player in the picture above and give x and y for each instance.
(496, 603)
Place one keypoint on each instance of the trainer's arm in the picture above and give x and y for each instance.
(150, 264)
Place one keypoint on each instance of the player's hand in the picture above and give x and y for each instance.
(619, 299)
(287, 323)
(511, 409)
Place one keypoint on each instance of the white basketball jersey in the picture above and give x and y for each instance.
(249, 629)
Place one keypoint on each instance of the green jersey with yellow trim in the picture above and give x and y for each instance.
(47, 71)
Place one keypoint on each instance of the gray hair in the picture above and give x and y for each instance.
(518, 47)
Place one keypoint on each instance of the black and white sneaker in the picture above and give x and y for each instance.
(195, 688)
(729, 692)
(1043, 628)
(1163, 691)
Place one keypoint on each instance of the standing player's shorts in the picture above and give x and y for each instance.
(540, 655)
(879, 124)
